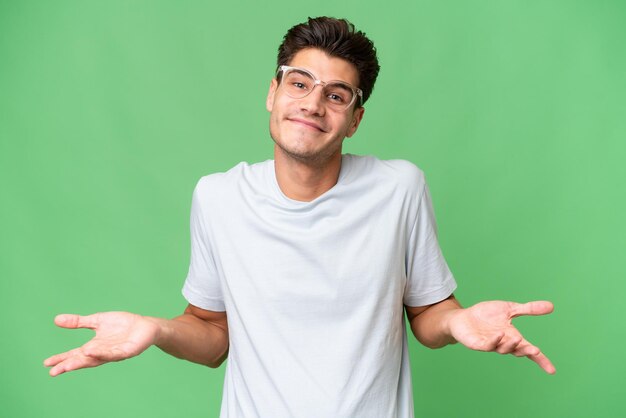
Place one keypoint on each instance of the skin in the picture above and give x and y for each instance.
(308, 137)
(486, 326)
(308, 141)
(197, 335)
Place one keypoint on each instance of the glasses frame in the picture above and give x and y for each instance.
(317, 82)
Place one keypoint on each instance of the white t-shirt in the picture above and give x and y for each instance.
(314, 291)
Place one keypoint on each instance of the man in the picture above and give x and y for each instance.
(313, 258)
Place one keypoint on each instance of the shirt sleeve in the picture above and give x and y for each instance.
(202, 286)
(429, 279)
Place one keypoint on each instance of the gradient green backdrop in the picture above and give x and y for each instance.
(111, 111)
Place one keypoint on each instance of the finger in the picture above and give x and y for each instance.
(57, 358)
(107, 353)
(74, 363)
(538, 307)
(487, 343)
(75, 321)
(543, 362)
(509, 345)
(526, 349)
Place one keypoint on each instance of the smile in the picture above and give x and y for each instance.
(306, 122)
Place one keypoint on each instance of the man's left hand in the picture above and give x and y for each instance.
(487, 326)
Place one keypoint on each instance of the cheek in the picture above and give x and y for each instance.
(279, 107)
(276, 124)
(345, 125)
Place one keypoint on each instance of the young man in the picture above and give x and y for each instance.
(313, 257)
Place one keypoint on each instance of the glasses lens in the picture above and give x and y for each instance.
(297, 83)
(339, 95)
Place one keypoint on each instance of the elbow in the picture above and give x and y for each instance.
(433, 341)
(215, 363)
(433, 344)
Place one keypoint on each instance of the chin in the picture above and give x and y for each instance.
(317, 156)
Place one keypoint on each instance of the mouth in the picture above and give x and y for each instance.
(307, 123)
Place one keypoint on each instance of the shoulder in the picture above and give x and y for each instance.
(401, 173)
(223, 181)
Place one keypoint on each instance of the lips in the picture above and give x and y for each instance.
(308, 123)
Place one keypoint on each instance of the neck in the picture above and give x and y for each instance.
(302, 181)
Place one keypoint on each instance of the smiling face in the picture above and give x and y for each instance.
(306, 129)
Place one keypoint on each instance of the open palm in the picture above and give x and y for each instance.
(487, 326)
(119, 335)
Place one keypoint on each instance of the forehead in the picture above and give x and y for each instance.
(325, 67)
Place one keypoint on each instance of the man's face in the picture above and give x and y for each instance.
(306, 129)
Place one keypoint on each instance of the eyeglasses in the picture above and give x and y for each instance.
(299, 83)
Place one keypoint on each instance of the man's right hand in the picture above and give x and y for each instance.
(119, 335)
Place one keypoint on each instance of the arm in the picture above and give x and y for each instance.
(198, 335)
(485, 326)
(430, 323)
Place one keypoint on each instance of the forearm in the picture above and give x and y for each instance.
(191, 338)
(431, 326)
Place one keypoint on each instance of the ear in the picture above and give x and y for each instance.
(269, 102)
(357, 116)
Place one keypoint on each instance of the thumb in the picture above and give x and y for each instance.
(75, 321)
(538, 307)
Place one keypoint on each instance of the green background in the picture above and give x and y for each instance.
(111, 111)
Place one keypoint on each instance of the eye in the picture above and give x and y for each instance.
(338, 93)
(336, 98)
(297, 81)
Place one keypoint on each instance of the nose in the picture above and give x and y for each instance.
(313, 103)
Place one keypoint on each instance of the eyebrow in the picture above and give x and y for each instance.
(302, 71)
(343, 84)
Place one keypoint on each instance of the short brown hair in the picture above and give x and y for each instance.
(338, 38)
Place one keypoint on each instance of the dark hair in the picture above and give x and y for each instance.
(338, 38)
